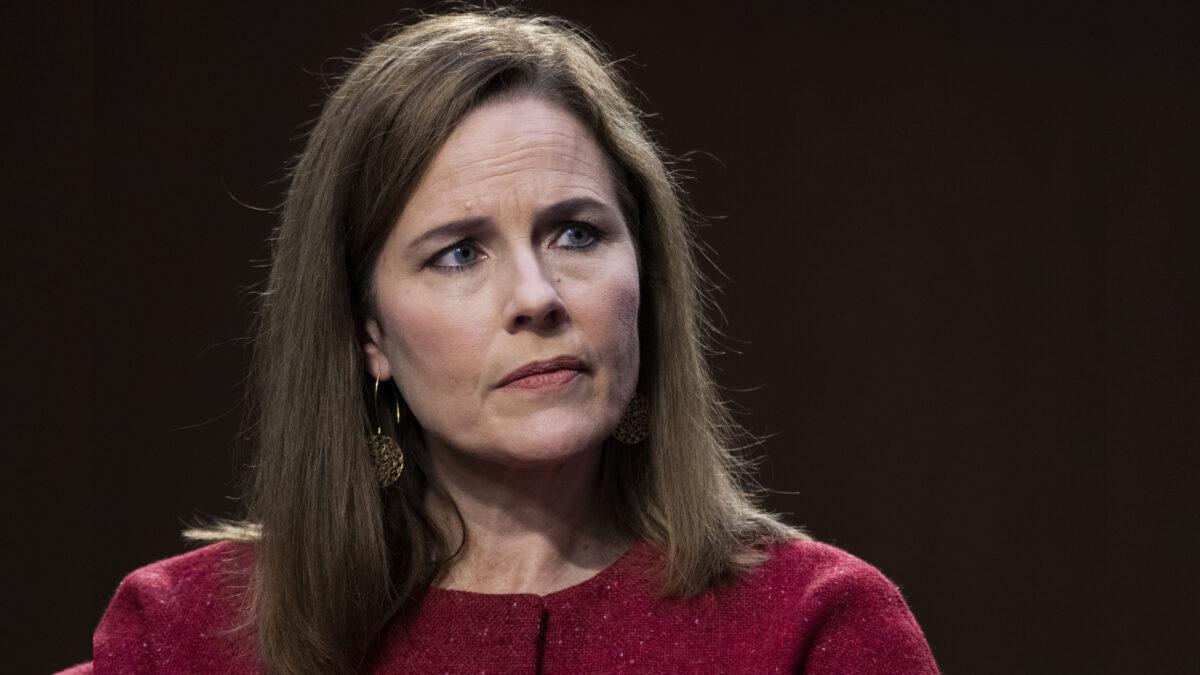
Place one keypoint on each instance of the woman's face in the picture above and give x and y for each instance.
(511, 250)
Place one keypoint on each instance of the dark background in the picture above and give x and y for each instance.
(961, 297)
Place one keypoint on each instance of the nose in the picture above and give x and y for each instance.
(534, 302)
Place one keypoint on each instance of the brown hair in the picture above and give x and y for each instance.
(336, 557)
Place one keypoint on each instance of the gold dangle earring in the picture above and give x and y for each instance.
(385, 451)
(635, 423)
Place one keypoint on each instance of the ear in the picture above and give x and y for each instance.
(377, 361)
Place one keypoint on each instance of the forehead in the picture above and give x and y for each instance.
(524, 148)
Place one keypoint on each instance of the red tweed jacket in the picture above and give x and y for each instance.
(811, 608)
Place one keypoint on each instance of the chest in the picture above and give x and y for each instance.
(528, 635)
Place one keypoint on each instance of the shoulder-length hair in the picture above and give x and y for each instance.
(337, 557)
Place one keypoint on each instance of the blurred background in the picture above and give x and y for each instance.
(956, 250)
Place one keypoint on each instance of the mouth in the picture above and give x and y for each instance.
(544, 374)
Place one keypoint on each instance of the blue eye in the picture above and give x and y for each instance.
(578, 235)
(456, 258)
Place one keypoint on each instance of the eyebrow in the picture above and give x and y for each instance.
(567, 208)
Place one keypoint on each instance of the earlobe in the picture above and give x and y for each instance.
(377, 362)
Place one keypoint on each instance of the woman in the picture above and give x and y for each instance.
(487, 437)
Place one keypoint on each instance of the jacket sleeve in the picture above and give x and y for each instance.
(865, 627)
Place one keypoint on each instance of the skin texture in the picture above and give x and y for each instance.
(521, 282)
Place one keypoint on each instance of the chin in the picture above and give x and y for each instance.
(546, 438)
(530, 449)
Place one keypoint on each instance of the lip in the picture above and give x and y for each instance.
(565, 362)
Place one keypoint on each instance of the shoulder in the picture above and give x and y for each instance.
(819, 569)
(171, 610)
(853, 618)
(810, 578)
(193, 570)
(216, 571)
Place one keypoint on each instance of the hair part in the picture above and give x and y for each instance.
(336, 558)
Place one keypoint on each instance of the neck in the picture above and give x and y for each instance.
(528, 529)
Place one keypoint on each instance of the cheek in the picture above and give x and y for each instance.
(615, 318)
(435, 351)
(624, 315)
